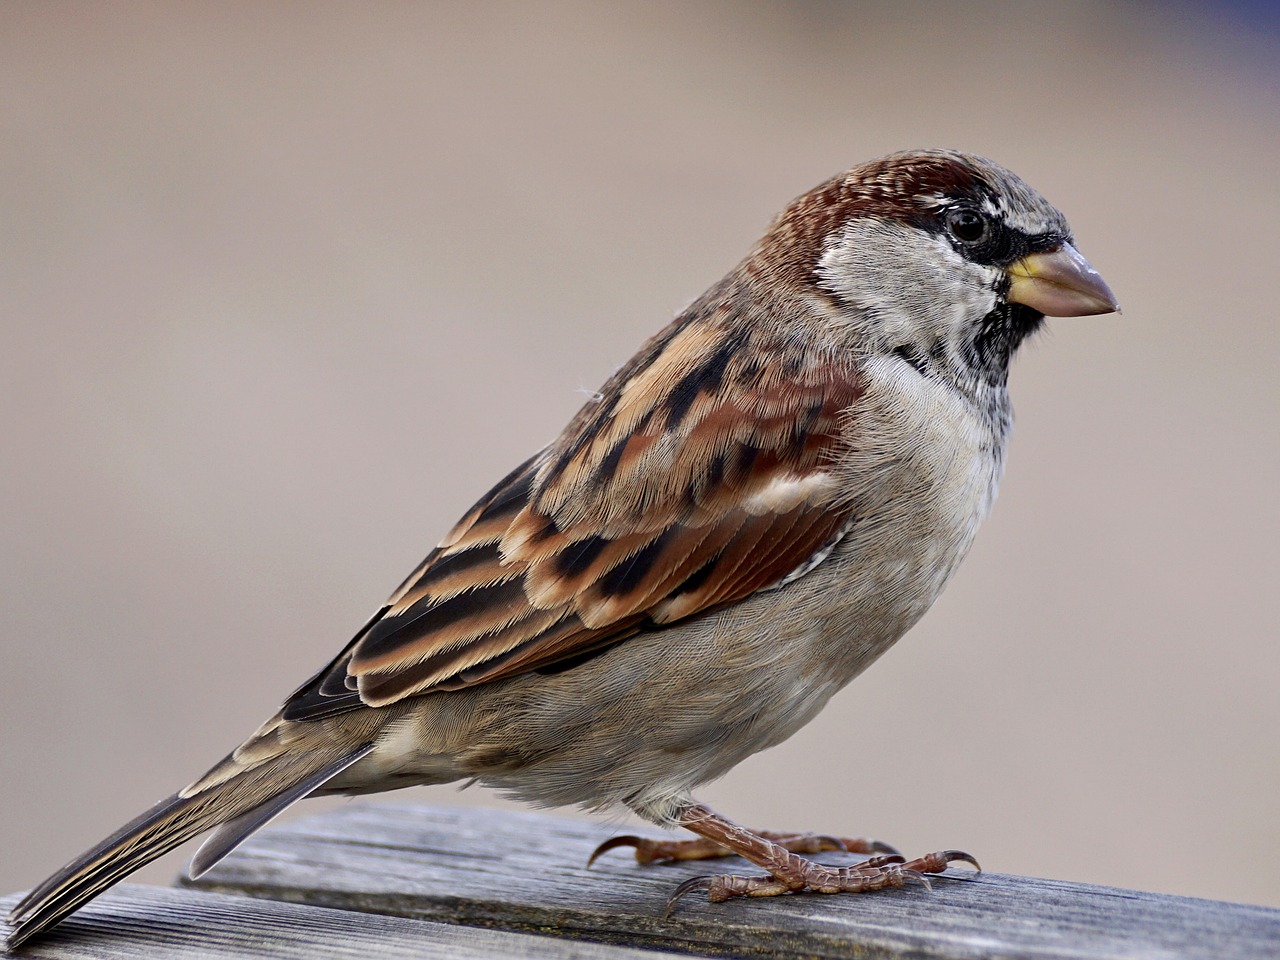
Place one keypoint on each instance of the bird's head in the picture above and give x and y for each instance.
(946, 259)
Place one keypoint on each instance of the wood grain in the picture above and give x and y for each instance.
(526, 872)
(149, 923)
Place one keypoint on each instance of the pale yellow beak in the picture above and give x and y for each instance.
(1060, 283)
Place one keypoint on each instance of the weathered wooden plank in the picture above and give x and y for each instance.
(525, 872)
(150, 923)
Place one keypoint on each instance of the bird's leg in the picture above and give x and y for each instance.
(788, 872)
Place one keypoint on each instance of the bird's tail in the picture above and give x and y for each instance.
(237, 796)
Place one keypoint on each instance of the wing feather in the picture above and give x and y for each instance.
(698, 478)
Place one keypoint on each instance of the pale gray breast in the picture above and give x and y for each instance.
(921, 472)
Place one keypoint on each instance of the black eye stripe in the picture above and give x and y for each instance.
(1000, 244)
(1045, 242)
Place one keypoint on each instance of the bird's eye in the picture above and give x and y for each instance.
(967, 226)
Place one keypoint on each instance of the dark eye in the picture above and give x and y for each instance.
(967, 226)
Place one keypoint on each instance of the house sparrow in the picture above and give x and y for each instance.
(755, 507)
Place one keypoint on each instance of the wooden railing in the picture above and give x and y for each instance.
(410, 881)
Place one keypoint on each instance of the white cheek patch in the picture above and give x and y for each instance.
(914, 285)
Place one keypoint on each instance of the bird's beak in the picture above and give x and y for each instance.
(1060, 283)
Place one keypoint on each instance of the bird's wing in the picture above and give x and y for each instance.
(702, 473)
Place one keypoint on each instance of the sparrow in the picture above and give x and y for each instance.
(769, 494)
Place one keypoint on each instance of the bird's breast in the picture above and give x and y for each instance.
(920, 470)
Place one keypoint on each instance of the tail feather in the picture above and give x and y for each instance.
(235, 802)
(231, 834)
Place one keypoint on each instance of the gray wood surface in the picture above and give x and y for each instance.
(150, 923)
(526, 872)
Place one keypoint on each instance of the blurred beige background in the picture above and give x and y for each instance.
(284, 287)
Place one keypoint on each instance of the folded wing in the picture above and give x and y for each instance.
(698, 477)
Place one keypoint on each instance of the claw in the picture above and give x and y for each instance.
(612, 844)
(878, 846)
(690, 885)
(959, 856)
(917, 876)
(937, 862)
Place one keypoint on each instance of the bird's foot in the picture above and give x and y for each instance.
(779, 856)
(666, 851)
(797, 875)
